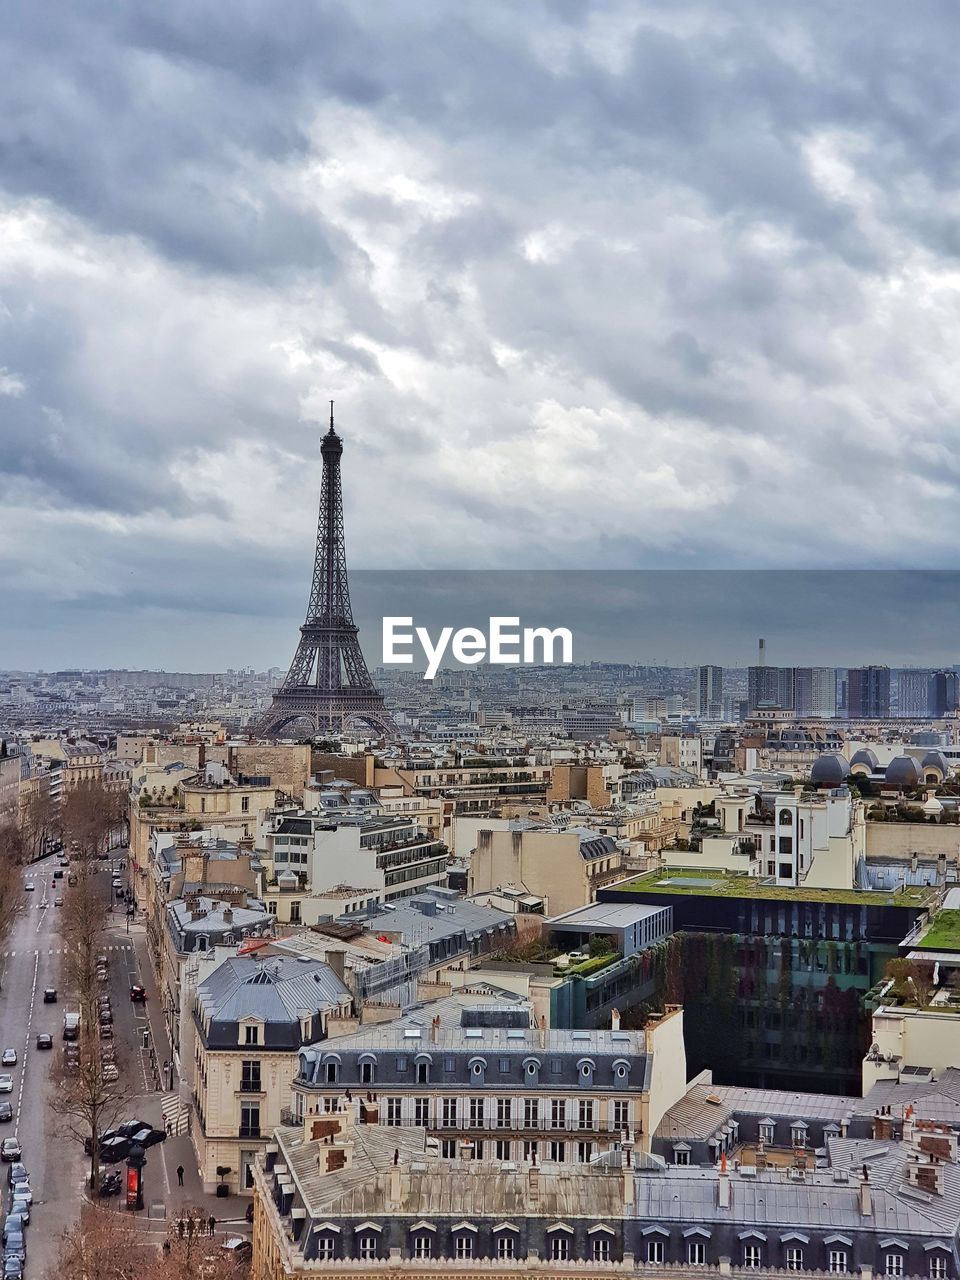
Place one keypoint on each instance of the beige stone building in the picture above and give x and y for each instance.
(564, 868)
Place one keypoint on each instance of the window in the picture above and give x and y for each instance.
(786, 871)
(786, 818)
(584, 1152)
(368, 1246)
(449, 1110)
(250, 1076)
(696, 1253)
(501, 1149)
(477, 1149)
(422, 1245)
(938, 1268)
(585, 1115)
(558, 1113)
(448, 1148)
(401, 1064)
(503, 1066)
(621, 1115)
(601, 1249)
(423, 1073)
(476, 1111)
(531, 1113)
(556, 1067)
(326, 1249)
(464, 1245)
(751, 1256)
(799, 1135)
(766, 1134)
(504, 1113)
(294, 912)
(251, 1035)
(421, 1111)
(838, 1261)
(393, 1111)
(785, 847)
(681, 1156)
(794, 1259)
(893, 1264)
(558, 1151)
(505, 1246)
(449, 1064)
(272, 908)
(366, 1072)
(559, 1247)
(244, 804)
(654, 1250)
(331, 1070)
(249, 1119)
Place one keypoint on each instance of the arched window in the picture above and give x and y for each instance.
(786, 818)
(585, 1070)
(368, 1068)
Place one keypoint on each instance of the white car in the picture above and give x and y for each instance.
(6, 1084)
(110, 1073)
(9, 1058)
(29, 887)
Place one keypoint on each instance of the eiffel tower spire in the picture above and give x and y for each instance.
(328, 684)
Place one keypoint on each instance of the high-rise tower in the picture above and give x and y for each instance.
(328, 685)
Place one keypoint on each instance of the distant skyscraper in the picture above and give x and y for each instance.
(816, 692)
(770, 687)
(943, 693)
(710, 693)
(868, 693)
(913, 694)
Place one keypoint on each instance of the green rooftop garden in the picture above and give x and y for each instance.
(715, 883)
(943, 934)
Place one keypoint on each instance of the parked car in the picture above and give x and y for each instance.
(19, 1205)
(12, 1268)
(103, 960)
(49, 995)
(6, 1084)
(13, 1228)
(107, 1053)
(106, 1031)
(58, 902)
(238, 1248)
(29, 887)
(58, 873)
(44, 1040)
(9, 1058)
(102, 975)
(105, 1017)
(110, 1072)
(17, 1171)
(6, 1112)
(114, 1147)
(21, 1191)
(138, 993)
(10, 1149)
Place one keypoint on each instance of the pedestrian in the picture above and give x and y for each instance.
(180, 1172)
(180, 1228)
(169, 1129)
(166, 1248)
(191, 1227)
(212, 1224)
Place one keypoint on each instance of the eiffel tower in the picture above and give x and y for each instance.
(328, 685)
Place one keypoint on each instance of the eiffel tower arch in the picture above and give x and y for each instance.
(328, 687)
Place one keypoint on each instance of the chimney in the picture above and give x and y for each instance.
(335, 960)
(908, 1125)
(228, 915)
(914, 861)
(723, 1186)
(629, 1187)
(434, 1029)
(763, 653)
(393, 1192)
(614, 1019)
(542, 1027)
(865, 1198)
(533, 1184)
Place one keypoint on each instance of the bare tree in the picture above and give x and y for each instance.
(11, 872)
(86, 1096)
(103, 1245)
(90, 811)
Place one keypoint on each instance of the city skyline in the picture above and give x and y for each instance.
(643, 306)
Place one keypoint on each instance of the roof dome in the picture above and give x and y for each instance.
(902, 772)
(866, 758)
(935, 760)
(829, 770)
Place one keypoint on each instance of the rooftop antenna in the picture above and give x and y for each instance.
(331, 417)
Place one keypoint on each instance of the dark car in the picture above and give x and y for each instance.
(105, 1017)
(138, 993)
(50, 995)
(131, 1127)
(6, 1112)
(58, 874)
(114, 1149)
(44, 1040)
(12, 1268)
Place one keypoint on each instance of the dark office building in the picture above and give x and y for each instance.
(770, 687)
(868, 693)
(944, 693)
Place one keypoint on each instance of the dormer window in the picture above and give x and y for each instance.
(422, 1068)
(330, 1067)
(478, 1068)
(531, 1070)
(621, 1069)
(368, 1068)
(585, 1070)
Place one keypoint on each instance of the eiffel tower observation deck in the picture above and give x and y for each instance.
(328, 687)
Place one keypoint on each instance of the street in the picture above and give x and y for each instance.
(30, 962)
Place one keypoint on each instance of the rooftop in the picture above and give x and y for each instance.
(943, 934)
(714, 883)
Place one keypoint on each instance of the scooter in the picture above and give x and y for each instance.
(110, 1184)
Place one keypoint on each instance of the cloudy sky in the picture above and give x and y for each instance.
(627, 283)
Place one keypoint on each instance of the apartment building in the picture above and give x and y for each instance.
(486, 1084)
(252, 1015)
(564, 868)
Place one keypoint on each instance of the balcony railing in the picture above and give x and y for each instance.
(249, 1131)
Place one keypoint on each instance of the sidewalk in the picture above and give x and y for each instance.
(160, 1174)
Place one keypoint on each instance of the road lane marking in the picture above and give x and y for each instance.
(26, 1045)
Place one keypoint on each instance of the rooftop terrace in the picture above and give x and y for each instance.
(709, 882)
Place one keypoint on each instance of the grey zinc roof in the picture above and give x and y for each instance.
(458, 915)
(782, 1104)
(938, 1100)
(277, 990)
(610, 915)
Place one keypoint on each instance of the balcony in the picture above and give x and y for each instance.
(248, 1131)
